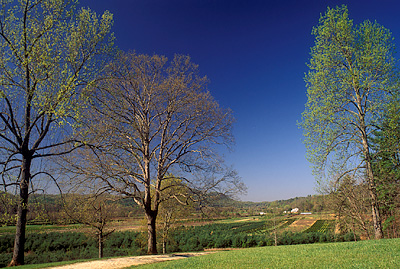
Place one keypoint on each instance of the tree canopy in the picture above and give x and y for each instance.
(352, 77)
(48, 54)
(152, 117)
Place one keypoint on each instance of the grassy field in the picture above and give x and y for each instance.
(130, 224)
(363, 254)
(52, 264)
(42, 228)
(135, 224)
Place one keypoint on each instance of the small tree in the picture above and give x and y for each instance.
(48, 53)
(95, 211)
(353, 75)
(151, 118)
(349, 199)
(176, 204)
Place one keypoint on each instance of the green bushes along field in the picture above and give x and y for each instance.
(53, 247)
(44, 247)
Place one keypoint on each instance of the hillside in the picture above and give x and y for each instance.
(47, 208)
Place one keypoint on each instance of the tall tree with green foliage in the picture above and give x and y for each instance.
(352, 76)
(48, 54)
(386, 164)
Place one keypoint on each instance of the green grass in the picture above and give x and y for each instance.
(37, 228)
(364, 254)
(322, 226)
(52, 264)
(237, 219)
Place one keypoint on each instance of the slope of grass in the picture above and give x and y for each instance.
(364, 254)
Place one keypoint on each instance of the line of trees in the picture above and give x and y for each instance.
(122, 121)
(351, 119)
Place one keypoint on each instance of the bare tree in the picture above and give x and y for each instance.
(151, 118)
(349, 199)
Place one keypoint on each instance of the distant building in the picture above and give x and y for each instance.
(305, 213)
(262, 213)
(294, 210)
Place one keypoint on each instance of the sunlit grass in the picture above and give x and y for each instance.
(52, 264)
(36, 228)
(365, 254)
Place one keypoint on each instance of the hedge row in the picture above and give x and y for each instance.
(53, 247)
(225, 236)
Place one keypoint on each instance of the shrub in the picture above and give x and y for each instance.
(52, 247)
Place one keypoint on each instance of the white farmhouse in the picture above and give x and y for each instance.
(294, 210)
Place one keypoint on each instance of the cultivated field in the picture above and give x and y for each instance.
(54, 243)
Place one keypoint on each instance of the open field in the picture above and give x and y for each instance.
(363, 254)
(54, 243)
(297, 223)
(124, 225)
(42, 228)
(302, 224)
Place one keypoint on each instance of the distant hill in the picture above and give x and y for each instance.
(47, 208)
(311, 203)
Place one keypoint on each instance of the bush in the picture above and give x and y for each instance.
(243, 235)
(53, 247)
(5, 259)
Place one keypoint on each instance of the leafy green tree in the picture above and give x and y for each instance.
(386, 163)
(352, 76)
(48, 54)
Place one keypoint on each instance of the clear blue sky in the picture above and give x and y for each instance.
(254, 53)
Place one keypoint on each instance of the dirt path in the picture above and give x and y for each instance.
(129, 261)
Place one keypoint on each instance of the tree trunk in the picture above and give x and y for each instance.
(394, 233)
(100, 235)
(370, 176)
(151, 231)
(376, 217)
(19, 242)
